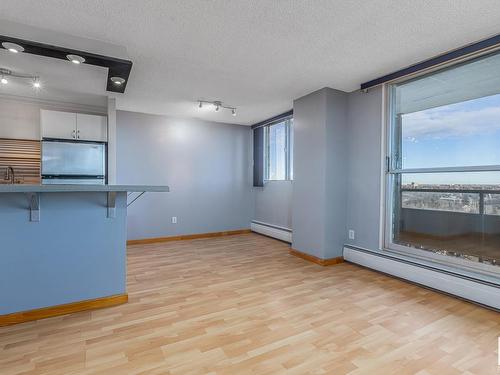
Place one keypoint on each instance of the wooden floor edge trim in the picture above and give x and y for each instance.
(314, 259)
(68, 308)
(195, 236)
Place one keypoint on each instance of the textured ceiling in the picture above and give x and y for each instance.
(258, 55)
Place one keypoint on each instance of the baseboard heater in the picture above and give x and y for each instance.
(482, 292)
(280, 233)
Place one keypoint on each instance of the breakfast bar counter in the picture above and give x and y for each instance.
(63, 245)
(25, 188)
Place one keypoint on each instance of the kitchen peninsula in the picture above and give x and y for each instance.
(63, 245)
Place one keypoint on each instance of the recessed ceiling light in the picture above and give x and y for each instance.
(75, 59)
(4, 80)
(117, 80)
(12, 47)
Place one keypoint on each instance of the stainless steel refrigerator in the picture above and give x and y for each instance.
(78, 162)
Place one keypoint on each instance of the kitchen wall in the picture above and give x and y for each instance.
(20, 117)
(206, 164)
(20, 134)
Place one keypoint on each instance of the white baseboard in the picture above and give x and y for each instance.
(483, 293)
(282, 234)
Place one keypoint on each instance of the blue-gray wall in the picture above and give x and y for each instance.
(364, 167)
(73, 253)
(273, 203)
(320, 173)
(207, 166)
(336, 172)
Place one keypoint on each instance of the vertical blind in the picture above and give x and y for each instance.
(258, 156)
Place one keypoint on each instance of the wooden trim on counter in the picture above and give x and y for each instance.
(146, 241)
(68, 308)
(314, 259)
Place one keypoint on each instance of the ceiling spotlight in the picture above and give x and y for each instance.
(217, 108)
(233, 112)
(117, 80)
(36, 83)
(4, 80)
(75, 59)
(200, 105)
(12, 47)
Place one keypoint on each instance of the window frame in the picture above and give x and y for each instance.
(288, 149)
(392, 172)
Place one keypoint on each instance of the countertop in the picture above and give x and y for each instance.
(26, 188)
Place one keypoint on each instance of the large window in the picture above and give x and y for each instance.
(278, 143)
(443, 172)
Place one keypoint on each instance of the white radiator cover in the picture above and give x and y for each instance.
(282, 234)
(483, 293)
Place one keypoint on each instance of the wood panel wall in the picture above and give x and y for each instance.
(22, 155)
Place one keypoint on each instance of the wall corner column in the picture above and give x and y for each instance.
(319, 196)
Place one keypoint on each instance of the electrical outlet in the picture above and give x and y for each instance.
(174, 219)
(352, 234)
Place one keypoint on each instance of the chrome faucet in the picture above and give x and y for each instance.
(9, 175)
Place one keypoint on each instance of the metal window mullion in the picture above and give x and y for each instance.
(266, 153)
(287, 150)
(476, 168)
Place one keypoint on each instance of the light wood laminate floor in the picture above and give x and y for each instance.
(242, 305)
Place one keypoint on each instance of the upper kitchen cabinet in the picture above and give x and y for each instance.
(91, 127)
(75, 126)
(55, 124)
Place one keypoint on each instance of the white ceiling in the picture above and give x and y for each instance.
(256, 55)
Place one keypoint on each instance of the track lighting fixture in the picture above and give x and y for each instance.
(12, 47)
(217, 104)
(35, 80)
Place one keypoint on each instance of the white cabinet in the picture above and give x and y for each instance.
(55, 124)
(77, 126)
(91, 127)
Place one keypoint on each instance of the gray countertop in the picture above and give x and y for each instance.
(25, 188)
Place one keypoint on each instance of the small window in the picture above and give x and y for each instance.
(278, 150)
